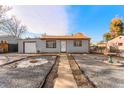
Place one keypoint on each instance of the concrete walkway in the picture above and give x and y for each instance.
(65, 77)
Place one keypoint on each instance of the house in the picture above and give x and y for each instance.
(11, 41)
(76, 43)
(99, 47)
(116, 44)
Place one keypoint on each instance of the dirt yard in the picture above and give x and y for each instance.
(9, 57)
(101, 74)
(14, 76)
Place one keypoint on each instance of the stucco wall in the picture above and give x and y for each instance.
(44, 49)
(72, 48)
(115, 41)
(41, 46)
(21, 42)
(20, 46)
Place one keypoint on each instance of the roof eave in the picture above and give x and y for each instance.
(65, 38)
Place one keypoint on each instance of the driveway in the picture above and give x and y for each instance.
(101, 74)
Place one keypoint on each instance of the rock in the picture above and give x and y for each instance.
(33, 61)
(3, 58)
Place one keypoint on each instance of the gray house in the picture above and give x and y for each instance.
(76, 43)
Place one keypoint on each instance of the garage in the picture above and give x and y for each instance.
(30, 47)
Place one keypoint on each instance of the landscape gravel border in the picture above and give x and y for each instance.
(50, 77)
(81, 79)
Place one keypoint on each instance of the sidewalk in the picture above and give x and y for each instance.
(65, 77)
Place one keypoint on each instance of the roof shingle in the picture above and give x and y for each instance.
(66, 37)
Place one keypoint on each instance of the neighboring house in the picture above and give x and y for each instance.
(12, 42)
(77, 43)
(117, 43)
(99, 48)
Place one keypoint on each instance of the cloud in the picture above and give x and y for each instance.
(50, 19)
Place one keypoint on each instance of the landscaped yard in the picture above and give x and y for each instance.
(9, 57)
(101, 74)
(26, 73)
(31, 72)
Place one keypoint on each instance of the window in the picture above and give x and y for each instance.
(51, 44)
(120, 44)
(77, 43)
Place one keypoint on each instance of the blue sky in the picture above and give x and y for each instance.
(91, 20)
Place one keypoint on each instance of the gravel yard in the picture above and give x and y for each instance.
(9, 57)
(80, 78)
(101, 74)
(14, 76)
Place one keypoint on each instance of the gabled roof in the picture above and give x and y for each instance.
(66, 37)
(101, 44)
(119, 38)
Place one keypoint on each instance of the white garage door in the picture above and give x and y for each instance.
(30, 47)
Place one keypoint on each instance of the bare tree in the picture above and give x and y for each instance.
(3, 10)
(13, 27)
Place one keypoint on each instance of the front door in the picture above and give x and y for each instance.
(63, 46)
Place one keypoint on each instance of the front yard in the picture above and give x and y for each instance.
(28, 73)
(32, 75)
(10, 57)
(101, 74)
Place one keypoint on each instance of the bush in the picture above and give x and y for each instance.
(114, 49)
